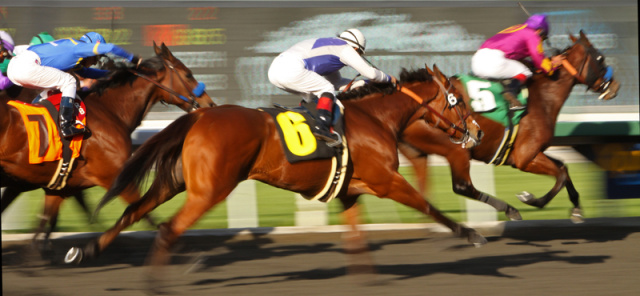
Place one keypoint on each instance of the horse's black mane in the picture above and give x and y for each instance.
(122, 74)
(406, 76)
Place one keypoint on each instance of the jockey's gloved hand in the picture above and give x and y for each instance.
(136, 60)
(393, 81)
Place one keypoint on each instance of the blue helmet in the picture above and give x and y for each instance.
(538, 21)
(92, 37)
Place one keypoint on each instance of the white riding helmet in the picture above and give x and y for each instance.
(355, 38)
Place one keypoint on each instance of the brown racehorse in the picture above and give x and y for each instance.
(9, 194)
(585, 65)
(52, 202)
(210, 151)
(115, 107)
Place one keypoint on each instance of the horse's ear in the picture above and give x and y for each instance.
(437, 70)
(583, 36)
(156, 49)
(167, 53)
(428, 70)
(573, 38)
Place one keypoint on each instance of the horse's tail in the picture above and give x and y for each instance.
(162, 151)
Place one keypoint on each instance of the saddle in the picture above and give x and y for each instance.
(295, 127)
(44, 140)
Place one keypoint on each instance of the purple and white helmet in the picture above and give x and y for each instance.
(7, 41)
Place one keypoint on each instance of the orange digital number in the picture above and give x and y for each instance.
(108, 13)
(202, 13)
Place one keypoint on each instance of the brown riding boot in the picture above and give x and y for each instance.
(514, 104)
(511, 88)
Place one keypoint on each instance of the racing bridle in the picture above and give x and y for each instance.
(452, 103)
(596, 69)
(197, 92)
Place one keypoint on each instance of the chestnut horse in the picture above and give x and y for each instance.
(583, 64)
(208, 152)
(115, 107)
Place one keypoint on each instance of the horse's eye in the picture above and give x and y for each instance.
(189, 76)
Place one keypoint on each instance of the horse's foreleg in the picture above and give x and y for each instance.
(133, 213)
(49, 216)
(9, 195)
(420, 164)
(401, 191)
(80, 198)
(355, 240)
(461, 179)
(544, 165)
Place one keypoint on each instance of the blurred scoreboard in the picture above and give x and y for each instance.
(230, 45)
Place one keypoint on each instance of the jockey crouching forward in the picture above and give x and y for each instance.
(311, 68)
(45, 66)
(499, 56)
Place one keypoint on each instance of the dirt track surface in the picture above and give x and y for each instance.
(594, 258)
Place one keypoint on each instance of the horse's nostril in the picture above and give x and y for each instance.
(480, 134)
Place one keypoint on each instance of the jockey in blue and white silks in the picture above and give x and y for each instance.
(311, 68)
(45, 66)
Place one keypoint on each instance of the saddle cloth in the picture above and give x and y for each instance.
(296, 136)
(43, 132)
(486, 98)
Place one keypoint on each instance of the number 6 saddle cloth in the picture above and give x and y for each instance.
(43, 131)
(294, 126)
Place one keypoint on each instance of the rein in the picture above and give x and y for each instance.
(578, 74)
(572, 70)
(193, 94)
(451, 99)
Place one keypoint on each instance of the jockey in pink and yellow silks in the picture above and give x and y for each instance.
(499, 56)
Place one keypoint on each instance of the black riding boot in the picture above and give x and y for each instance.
(67, 118)
(325, 116)
(511, 90)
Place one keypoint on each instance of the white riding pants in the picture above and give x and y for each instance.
(491, 63)
(288, 72)
(25, 70)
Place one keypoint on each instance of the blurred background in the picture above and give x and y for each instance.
(230, 45)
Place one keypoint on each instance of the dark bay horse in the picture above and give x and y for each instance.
(115, 107)
(208, 152)
(586, 65)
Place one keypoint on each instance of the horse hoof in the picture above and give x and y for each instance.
(73, 256)
(513, 214)
(476, 239)
(526, 197)
(576, 216)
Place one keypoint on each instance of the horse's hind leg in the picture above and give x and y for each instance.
(156, 195)
(200, 198)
